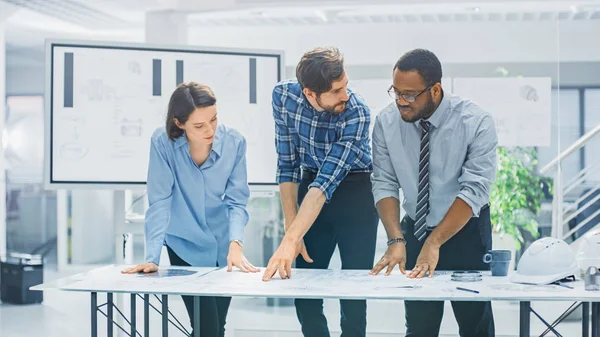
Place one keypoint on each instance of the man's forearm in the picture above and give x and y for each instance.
(307, 214)
(455, 219)
(389, 213)
(289, 202)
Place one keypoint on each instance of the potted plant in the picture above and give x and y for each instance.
(515, 198)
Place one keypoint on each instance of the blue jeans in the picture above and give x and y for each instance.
(349, 221)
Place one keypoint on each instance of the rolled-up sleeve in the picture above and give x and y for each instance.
(384, 181)
(288, 161)
(344, 152)
(479, 170)
(237, 194)
(160, 190)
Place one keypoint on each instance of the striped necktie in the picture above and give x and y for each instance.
(423, 188)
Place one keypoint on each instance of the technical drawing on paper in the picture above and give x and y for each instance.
(73, 151)
(169, 272)
(527, 288)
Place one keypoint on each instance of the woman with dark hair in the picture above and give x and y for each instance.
(197, 193)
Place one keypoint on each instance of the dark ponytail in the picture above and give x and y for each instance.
(188, 97)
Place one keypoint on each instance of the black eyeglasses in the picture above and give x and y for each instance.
(409, 98)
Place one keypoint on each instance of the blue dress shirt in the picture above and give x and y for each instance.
(331, 145)
(462, 157)
(195, 210)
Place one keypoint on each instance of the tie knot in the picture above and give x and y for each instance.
(425, 125)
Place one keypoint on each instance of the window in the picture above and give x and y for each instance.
(565, 105)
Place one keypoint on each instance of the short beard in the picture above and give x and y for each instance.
(425, 112)
(330, 109)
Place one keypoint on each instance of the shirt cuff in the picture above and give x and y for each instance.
(237, 221)
(470, 200)
(153, 250)
(326, 189)
(380, 194)
(288, 176)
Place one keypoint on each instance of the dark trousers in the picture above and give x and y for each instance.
(349, 221)
(213, 310)
(464, 251)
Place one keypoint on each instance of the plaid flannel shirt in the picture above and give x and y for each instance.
(330, 145)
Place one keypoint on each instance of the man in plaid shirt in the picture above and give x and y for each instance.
(324, 168)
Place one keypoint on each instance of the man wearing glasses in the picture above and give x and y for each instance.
(441, 150)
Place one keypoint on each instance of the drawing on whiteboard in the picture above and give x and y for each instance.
(131, 128)
(73, 151)
(96, 90)
(123, 150)
(75, 124)
(529, 93)
(134, 67)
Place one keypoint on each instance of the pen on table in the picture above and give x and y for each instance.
(563, 285)
(469, 290)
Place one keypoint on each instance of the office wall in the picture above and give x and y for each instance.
(466, 42)
(25, 80)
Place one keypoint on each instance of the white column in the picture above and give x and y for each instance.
(2, 112)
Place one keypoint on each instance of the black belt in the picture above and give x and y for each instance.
(351, 176)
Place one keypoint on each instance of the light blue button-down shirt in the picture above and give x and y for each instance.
(196, 210)
(462, 160)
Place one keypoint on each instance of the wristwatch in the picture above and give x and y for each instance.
(238, 242)
(396, 240)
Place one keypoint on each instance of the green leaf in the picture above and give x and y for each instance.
(516, 193)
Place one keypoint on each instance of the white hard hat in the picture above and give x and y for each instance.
(590, 245)
(588, 253)
(547, 260)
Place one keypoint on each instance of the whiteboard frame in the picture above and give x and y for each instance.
(50, 44)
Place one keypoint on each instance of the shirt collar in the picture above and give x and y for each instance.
(217, 146)
(438, 115)
(303, 101)
(306, 103)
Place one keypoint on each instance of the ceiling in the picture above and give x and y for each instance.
(402, 13)
(35, 20)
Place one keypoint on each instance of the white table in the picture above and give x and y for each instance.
(307, 283)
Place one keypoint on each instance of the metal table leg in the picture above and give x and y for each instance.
(165, 316)
(94, 311)
(109, 314)
(524, 319)
(146, 315)
(196, 326)
(585, 319)
(133, 313)
(595, 319)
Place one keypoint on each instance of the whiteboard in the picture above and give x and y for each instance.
(105, 100)
(521, 106)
